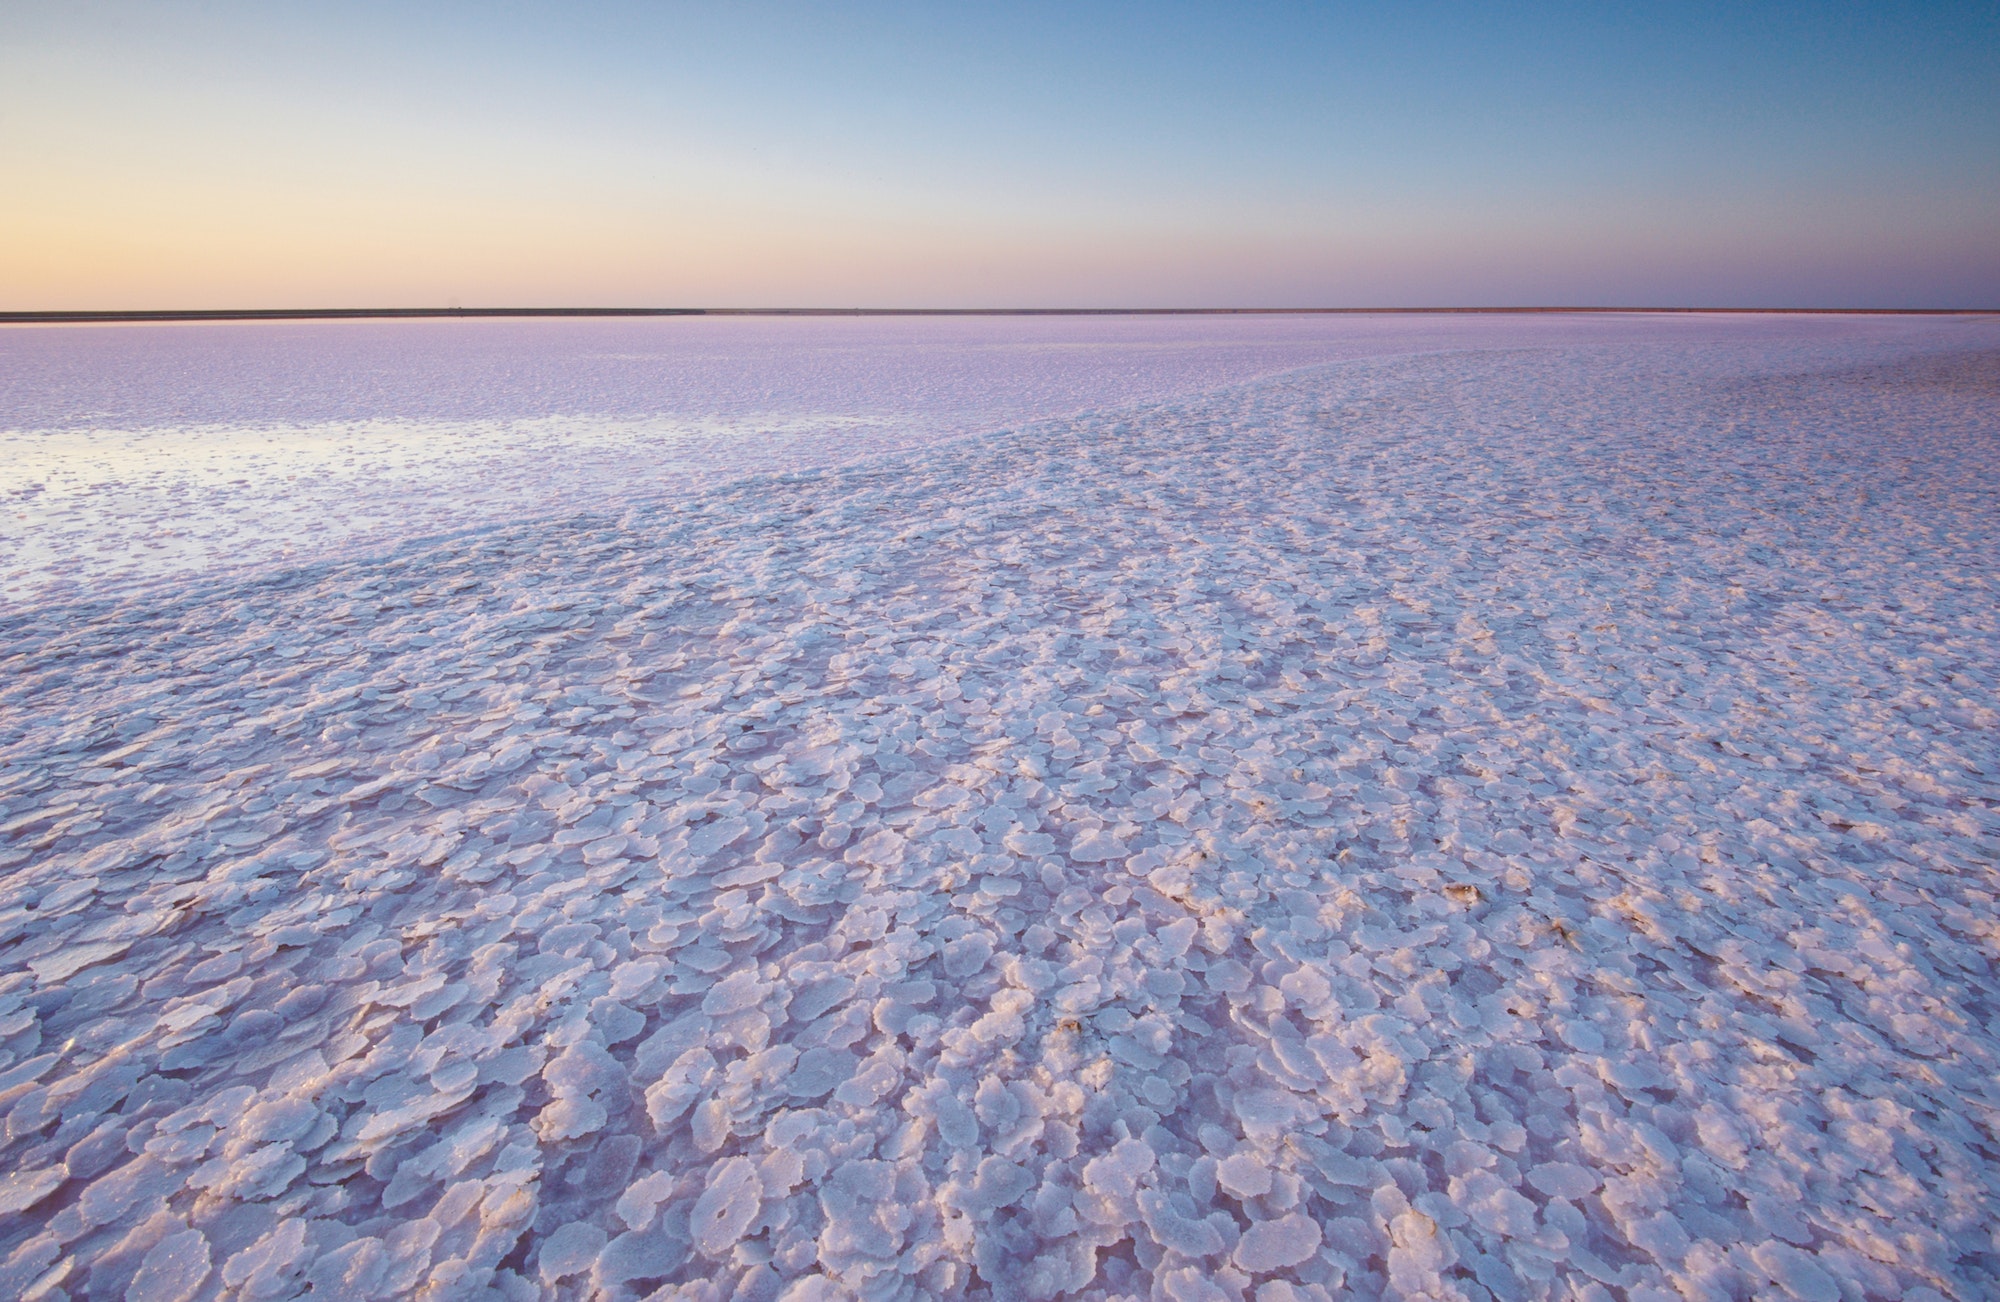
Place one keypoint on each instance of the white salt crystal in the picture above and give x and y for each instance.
(1244, 1175)
(1275, 1245)
(355, 1269)
(733, 994)
(629, 979)
(1661, 1235)
(956, 1124)
(1418, 1253)
(819, 1071)
(1496, 1208)
(277, 1120)
(1173, 1229)
(20, 1190)
(638, 1204)
(1097, 847)
(967, 955)
(659, 1050)
(1264, 1112)
(570, 1250)
(1795, 1272)
(996, 1184)
(269, 1258)
(1117, 1173)
(637, 1254)
(173, 1270)
(710, 1125)
(1563, 1179)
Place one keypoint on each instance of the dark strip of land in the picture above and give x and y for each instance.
(376, 313)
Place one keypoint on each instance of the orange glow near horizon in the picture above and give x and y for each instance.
(244, 157)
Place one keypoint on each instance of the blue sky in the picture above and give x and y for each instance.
(929, 155)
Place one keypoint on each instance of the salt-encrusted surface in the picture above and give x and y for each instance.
(1503, 822)
(131, 454)
(128, 453)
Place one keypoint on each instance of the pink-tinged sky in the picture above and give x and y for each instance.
(245, 155)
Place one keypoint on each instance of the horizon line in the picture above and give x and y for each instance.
(117, 316)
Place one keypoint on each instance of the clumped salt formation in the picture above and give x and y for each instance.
(1514, 825)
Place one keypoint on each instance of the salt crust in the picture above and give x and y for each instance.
(128, 454)
(1513, 825)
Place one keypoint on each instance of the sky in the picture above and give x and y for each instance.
(218, 155)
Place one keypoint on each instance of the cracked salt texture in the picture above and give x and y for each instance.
(128, 454)
(1510, 822)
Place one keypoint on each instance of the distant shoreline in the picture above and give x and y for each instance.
(404, 313)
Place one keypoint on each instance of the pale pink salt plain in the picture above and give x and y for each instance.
(1263, 807)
